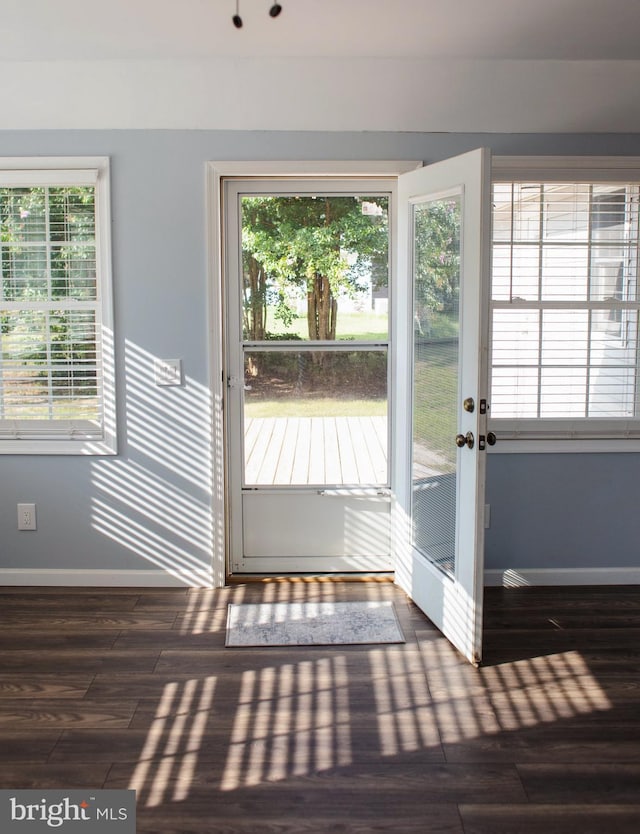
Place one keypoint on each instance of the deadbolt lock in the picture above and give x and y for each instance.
(469, 405)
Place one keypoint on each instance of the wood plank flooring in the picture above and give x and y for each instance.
(134, 688)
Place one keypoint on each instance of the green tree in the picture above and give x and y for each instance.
(437, 257)
(321, 246)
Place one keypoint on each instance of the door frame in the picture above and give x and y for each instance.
(215, 173)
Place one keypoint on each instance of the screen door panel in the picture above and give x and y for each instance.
(308, 302)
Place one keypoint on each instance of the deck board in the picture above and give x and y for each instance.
(290, 451)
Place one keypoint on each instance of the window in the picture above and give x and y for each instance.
(565, 306)
(56, 337)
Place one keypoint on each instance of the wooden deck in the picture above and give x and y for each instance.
(288, 451)
(130, 688)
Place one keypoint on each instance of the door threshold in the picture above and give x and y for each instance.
(242, 578)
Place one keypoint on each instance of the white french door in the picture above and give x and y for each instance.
(440, 442)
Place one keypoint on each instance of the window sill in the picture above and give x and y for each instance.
(563, 445)
(60, 437)
(57, 447)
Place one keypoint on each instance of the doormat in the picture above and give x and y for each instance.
(312, 624)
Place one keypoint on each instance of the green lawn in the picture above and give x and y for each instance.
(366, 326)
(436, 397)
(318, 407)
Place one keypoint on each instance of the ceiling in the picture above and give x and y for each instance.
(472, 65)
(157, 29)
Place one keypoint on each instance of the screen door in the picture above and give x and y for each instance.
(307, 369)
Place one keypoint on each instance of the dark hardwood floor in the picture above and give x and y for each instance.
(134, 688)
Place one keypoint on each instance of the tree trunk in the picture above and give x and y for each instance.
(255, 306)
(322, 313)
(255, 310)
(312, 313)
(322, 309)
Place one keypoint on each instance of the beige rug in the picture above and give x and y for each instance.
(312, 624)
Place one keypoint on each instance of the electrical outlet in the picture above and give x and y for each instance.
(26, 516)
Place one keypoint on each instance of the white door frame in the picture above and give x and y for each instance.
(215, 172)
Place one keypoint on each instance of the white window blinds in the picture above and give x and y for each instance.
(565, 307)
(55, 334)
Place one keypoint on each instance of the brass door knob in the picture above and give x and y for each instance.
(465, 440)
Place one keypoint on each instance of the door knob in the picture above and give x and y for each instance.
(491, 438)
(469, 405)
(465, 440)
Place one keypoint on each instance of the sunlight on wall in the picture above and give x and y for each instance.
(156, 548)
(156, 502)
(170, 425)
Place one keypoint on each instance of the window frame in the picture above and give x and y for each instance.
(559, 436)
(73, 437)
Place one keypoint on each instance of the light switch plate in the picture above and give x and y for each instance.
(168, 371)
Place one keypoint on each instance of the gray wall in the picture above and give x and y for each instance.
(150, 506)
(568, 510)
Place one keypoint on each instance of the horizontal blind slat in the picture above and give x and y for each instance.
(565, 304)
(50, 322)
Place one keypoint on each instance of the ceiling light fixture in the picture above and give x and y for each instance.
(237, 20)
(274, 11)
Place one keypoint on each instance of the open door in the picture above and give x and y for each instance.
(439, 469)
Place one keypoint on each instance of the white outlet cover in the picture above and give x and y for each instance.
(27, 517)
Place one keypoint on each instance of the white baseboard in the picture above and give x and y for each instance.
(101, 578)
(162, 579)
(562, 576)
